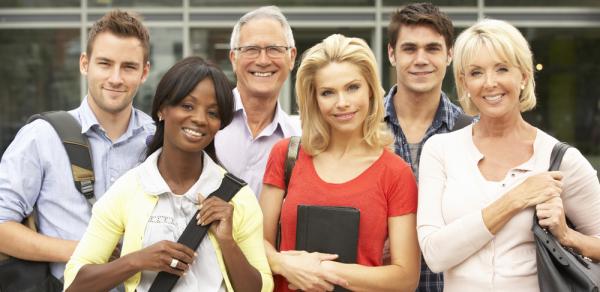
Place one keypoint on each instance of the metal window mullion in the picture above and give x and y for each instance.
(83, 42)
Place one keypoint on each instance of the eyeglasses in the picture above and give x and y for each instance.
(254, 51)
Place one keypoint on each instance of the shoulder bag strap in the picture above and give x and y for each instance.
(556, 157)
(462, 121)
(194, 233)
(290, 161)
(77, 147)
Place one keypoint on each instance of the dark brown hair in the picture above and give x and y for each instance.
(122, 24)
(421, 14)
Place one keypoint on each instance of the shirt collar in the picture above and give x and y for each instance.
(279, 120)
(86, 116)
(443, 114)
(88, 119)
(155, 185)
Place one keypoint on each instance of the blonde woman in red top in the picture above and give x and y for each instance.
(343, 161)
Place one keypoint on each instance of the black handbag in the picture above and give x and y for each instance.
(561, 269)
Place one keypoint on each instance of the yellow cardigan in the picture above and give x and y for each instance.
(124, 211)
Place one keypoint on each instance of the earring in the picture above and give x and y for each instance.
(160, 118)
(522, 86)
(468, 95)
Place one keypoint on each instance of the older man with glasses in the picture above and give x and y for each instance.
(262, 54)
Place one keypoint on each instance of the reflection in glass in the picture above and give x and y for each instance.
(166, 48)
(282, 3)
(567, 87)
(40, 72)
(39, 3)
(399, 3)
(544, 3)
(213, 45)
(133, 3)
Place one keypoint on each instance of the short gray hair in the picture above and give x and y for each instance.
(269, 12)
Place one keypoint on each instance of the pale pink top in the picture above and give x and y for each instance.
(453, 193)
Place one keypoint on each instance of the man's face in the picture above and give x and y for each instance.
(420, 58)
(262, 76)
(115, 70)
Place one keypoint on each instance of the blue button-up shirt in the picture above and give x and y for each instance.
(443, 121)
(35, 171)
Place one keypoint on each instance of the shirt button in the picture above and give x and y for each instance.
(512, 174)
(503, 185)
(112, 179)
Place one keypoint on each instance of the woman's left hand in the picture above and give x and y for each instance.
(220, 213)
(551, 216)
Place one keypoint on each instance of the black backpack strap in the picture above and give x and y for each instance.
(462, 121)
(194, 233)
(78, 149)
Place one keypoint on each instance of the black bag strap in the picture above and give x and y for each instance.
(194, 233)
(556, 156)
(78, 149)
(290, 161)
(462, 121)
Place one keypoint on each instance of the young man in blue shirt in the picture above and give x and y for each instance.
(35, 171)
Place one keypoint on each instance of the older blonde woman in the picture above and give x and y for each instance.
(479, 186)
(343, 161)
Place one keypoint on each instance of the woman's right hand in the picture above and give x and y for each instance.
(538, 188)
(159, 256)
(304, 271)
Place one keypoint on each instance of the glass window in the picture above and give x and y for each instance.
(213, 45)
(282, 3)
(40, 3)
(567, 88)
(543, 3)
(133, 3)
(40, 72)
(435, 2)
(166, 48)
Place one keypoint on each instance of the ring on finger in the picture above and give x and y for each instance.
(174, 263)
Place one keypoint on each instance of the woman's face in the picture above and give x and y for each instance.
(192, 124)
(493, 84)
(343, 97)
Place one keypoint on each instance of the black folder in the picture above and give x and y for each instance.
(328, 229)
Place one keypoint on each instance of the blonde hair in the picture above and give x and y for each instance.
(337, 48)
(507, 43)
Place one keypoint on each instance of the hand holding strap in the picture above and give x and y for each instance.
(194, 233)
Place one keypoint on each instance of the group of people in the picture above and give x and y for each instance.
(467, 228)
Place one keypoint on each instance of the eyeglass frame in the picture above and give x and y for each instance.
(265, 48)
